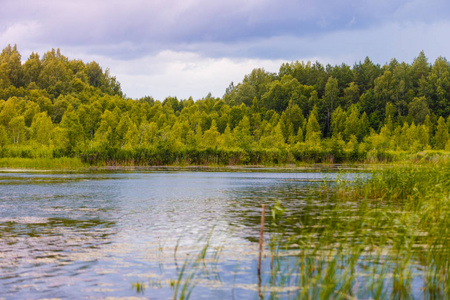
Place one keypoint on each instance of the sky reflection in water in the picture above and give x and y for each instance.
(79, 235)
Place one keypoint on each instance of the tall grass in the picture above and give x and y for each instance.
(42, 163)
(396, 223)
(162, 156)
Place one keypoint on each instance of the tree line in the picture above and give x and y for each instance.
(51, 106)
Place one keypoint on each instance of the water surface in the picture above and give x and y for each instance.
(97, 234)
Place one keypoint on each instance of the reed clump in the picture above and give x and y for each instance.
(385, 236)
(43, 163)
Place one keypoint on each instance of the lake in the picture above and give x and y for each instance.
(129, 233)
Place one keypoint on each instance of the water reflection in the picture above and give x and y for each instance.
(73, 235)
(53, 228)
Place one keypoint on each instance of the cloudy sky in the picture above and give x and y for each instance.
(188, 48)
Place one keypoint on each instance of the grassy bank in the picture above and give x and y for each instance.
(61, 163)
(50, 157)
(123, 159)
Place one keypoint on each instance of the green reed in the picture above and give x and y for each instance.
(42, 163)
(381, 234)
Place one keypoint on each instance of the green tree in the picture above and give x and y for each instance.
(131, 137)
(89, 116)
(55, 77)
(389, 112)
(364, 127)
(106, 135)
(12, 57)
(423, 136)
(286, 126)
(279, 93)
(32, 69)
(313, 132)
(336, 147)
(3, 137)
(148, 133)
(338, 118)
(4, 76)
(351, 95)
(403, 91)
(211, 135)
(352, 124)
(295, 115)
(420, 69)
(236, 114)
(278, 138)
(227, 139)
(122, 129)
(365, 74)
(439, 85)
(300, 135)
(442, 134)
(45, 104)
(259, 78)
(384, 89)
(242, 134)
(381, 141)
(448, 123)
(245, 93)
(42, 128)
(430, 127)
(418, 109)
(95, 74)
(11, 109)
(17, 129)
(331, 98)
(30, 110)
(71, 130)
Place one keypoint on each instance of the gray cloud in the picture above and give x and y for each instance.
(203, 45)
(189, 73)
(134, 28)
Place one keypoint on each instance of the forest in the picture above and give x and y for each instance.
(53, 107)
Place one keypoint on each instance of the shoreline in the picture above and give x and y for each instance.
(317, 167)
(73, 164)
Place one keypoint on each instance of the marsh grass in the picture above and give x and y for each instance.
(387, 236)
(43, 163)
(399, 224)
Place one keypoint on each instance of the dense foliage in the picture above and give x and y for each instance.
(51, 106)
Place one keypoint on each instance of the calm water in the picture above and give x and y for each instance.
(94, 235)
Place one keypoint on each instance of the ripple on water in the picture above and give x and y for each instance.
(93, 235)
(25, 220)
